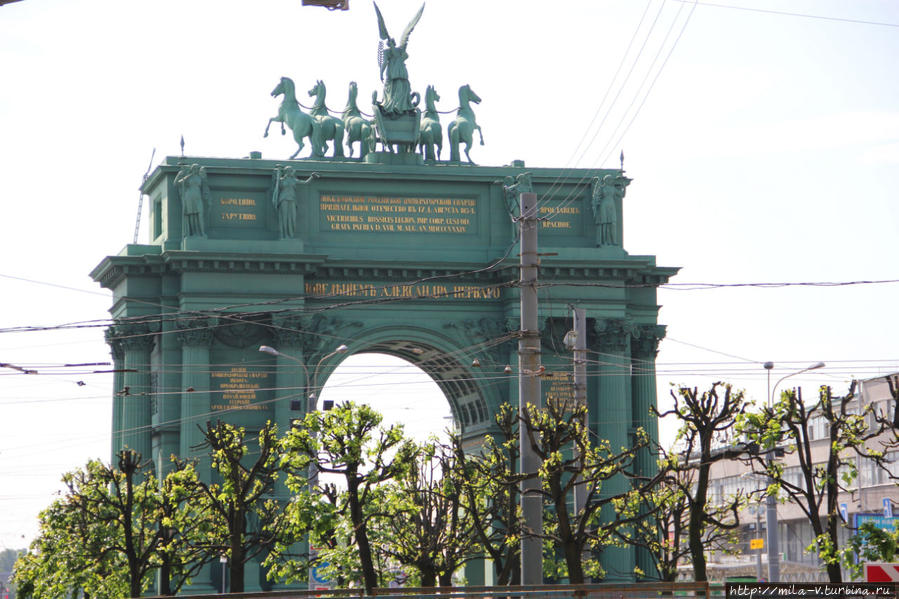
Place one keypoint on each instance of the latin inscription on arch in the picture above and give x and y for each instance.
(389, 214)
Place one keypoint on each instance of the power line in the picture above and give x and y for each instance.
(794, 14)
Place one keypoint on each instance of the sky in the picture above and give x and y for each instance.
(762, 138)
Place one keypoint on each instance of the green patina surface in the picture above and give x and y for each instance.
(388, 252)
(384, 258)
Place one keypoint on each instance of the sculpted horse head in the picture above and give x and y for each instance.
(466, 95)
(285, 87)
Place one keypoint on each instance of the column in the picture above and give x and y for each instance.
(135, 427)
(644, 347)
(614, 421)
(118, 383)
(196, 338)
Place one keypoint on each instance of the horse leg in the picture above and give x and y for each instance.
(315, 139)
(338, 139)
(468, 147)
(299, 140)
(481, 133)
(274, 118)
(453, 134)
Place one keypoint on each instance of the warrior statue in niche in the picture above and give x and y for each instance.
(607, 192)
(194, 188)
(285, 199)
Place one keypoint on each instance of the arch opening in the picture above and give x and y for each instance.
(399, 389)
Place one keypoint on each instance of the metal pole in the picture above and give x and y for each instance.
(758, 535)
(580, 384)
(771, 505)
(580, 400)
(529, 393)
(223, 560)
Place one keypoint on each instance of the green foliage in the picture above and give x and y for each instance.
(428, 528)
(870, 544)
(489, 483)
(245, 520)
(100, 538)
(569, 462)
(816, 493)
(349, 442)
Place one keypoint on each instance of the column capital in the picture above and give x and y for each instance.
(195, 332)
(645, 342)
(613, 334)
(288, 331)
(115, 344)
(131, 336)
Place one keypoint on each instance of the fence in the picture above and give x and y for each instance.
(678, 590)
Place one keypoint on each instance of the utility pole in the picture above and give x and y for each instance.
(529, 389)
(578, 346)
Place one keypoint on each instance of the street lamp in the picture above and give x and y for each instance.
(312, 401)
(771, 501)
(223, 560)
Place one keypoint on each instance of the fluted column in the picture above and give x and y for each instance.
(614, 422)
(136, 340)
(196, 338)
(118, 383)
(644, 347)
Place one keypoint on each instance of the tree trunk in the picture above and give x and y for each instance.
(165, 583)
(369, 576)
(428, 577)
(697, 526)
(236, 565)
(446, 579)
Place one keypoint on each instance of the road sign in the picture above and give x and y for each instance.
(887, 508)
(756, 543)
(318, 574)
(881, 572)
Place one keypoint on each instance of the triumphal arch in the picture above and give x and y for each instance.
(406, 248)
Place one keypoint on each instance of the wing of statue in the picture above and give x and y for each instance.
(411, 26)
(381, 26)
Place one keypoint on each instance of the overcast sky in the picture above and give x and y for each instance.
(763, 145)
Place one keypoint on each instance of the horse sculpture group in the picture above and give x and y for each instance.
(319, 127)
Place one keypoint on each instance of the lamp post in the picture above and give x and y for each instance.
(223, 560)
(771, 501)
(311, 406)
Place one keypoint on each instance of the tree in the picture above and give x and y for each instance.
(56, 564)
(569, 461)
(489, 486)
(785, 425)
(429, 528)
(247, 521)
(100, 538)
(184, 526)
(705, 419)
(664, 529)
(346, 441)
